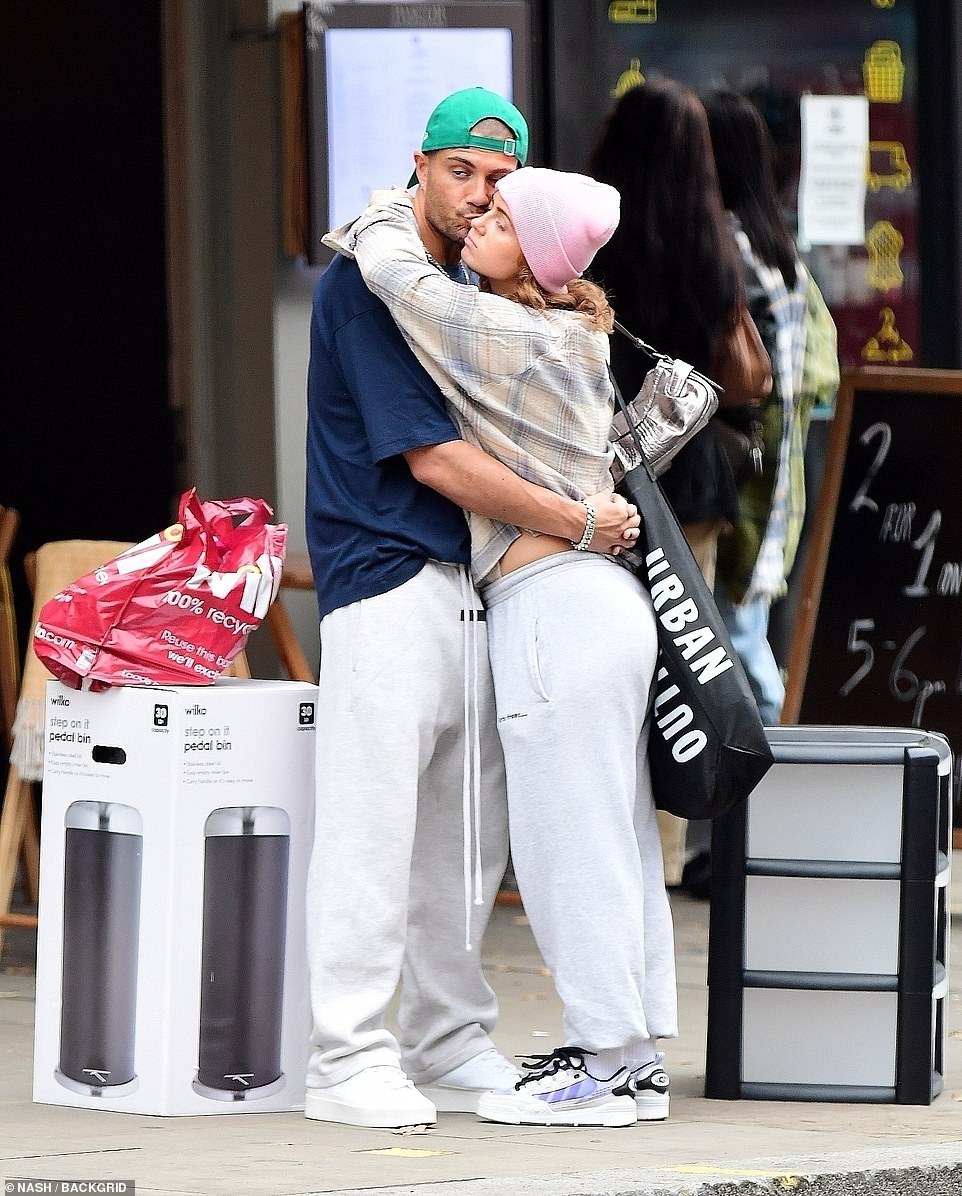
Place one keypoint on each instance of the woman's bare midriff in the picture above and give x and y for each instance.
(529, 547)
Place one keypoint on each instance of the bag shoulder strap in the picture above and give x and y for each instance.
(639, 343)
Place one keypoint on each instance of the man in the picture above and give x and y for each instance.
(411, 826)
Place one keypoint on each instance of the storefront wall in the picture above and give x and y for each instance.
(894, 295)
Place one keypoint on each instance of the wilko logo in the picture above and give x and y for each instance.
(161, 715)
(305, 714)
(59, 700)
(196, 709)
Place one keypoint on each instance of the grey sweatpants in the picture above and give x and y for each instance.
(573, 644)
(386, 886)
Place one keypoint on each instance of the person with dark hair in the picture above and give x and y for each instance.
(779, 109)
(754, 562)
(673, 275)
(523, 365)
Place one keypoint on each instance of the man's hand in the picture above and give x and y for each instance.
(617, 523)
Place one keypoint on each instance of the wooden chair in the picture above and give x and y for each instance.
(296, 576)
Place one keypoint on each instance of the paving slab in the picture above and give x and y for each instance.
(706, 1147)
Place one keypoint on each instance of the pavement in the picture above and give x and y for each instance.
(721, 1148)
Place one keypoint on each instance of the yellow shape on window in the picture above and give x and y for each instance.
(887, 344)
(884, 243)
(633, 12)
(888, 166)
(884, 72)
(628, 79)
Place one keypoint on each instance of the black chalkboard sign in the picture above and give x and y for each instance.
(878, 639)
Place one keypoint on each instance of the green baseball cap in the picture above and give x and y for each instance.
(450, 124)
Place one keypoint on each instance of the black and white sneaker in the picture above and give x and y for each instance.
(559, 1090)
(650, 1086)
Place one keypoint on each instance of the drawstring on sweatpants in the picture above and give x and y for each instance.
(471, 772)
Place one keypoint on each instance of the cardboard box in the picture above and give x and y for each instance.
(175, 838)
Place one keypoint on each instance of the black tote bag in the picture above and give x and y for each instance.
(707, 747)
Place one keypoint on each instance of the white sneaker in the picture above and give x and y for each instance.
(650, 1086)
(560, 1091)
(458, 1091)
(380, 1097)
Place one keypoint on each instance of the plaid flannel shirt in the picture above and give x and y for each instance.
(530, 388)
(787, 310)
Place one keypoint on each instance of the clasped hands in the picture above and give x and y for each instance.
(617, 523)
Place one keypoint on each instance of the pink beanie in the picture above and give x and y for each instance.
(561, 219)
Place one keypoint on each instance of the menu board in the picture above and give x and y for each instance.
(878, 640)
(375, 72)
(371, 136)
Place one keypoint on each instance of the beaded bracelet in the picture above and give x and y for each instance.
(589, 531)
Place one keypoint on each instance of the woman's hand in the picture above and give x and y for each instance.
(617, 523)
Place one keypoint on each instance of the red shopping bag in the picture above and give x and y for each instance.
(174, 610)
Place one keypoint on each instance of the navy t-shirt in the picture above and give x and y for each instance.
(370, 524)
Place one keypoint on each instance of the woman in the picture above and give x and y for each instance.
(754, 562)
(523, 364)
(673, 273)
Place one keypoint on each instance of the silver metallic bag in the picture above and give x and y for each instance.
(674, 403)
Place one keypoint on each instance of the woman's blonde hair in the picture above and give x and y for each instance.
(582, 296)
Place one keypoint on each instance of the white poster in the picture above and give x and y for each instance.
(382, 86)
(831, 190)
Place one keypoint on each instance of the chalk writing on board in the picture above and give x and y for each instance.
(884, 434)
(879, 635)
(903, 684)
